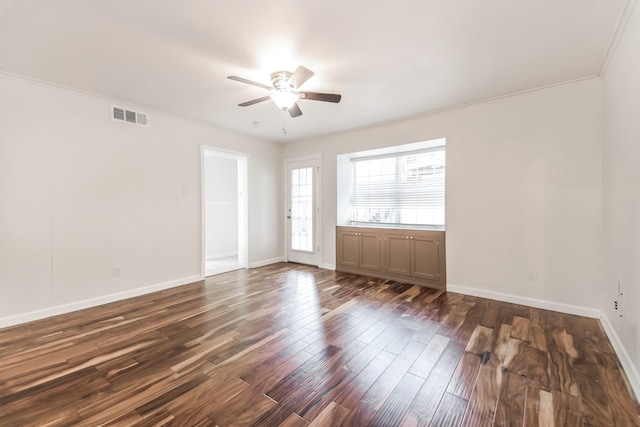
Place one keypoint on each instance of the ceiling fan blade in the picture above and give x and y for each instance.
(300, 75)
(241, 80)
(254, 101)
(316, 96)
(295, 111)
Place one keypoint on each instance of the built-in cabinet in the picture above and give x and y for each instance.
(360, 249)
(412, 256)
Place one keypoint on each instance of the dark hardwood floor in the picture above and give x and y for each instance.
(289, 345)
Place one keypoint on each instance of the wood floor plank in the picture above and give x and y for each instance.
(537, 338)
(383, 386)
(625, 411)
(244, 409)
(430, 356)
(395, 407)
(423, 407)
(450, 413)
(511, 403)
(520, 328)
(516, 357)
(196, 404)
(595, 406)
(293, 345)
(546, 409)
(333, 415)
(352, 395)
(465, 376)
(294, 420)
(479, 341)
(484, 397)
(532, 406)
(566, 409)
(539, 368)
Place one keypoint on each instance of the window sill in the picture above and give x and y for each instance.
(394, 226)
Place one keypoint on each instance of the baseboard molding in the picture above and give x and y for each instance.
(327, 266)
(221, 255)
(531, 302)
(266, 262)
(633, 375)
(92, 302)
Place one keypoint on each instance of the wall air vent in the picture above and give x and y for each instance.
(129, 116)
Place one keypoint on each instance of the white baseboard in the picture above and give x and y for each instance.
(627, 363)
(327, 266)
(266, 262)
(213, 257)
(531, 302)
(92, 302)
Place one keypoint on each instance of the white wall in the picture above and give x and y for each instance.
(221, 206)
(523, 190)
(621, 167)
(81, 194)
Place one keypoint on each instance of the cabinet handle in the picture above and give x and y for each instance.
(407, 237)
(411, 237)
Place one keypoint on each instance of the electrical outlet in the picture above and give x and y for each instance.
(117, 271)
(533, 275)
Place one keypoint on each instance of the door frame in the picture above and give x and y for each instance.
(318, 202)
(243, 219)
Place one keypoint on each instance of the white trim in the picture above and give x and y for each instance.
(221, 255)
(630, 369)
(317, 156)
(266, 262)
(531, 302)
(243, 168)
(92, 302)
(621, 26)
(314, 158)
(328, 266)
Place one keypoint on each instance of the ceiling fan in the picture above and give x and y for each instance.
(285, 93)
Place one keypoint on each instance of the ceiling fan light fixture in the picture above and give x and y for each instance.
(284, 92)
(284, 99)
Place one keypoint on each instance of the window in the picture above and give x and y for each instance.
(402, 188)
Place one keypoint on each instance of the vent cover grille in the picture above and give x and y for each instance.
(129, 116)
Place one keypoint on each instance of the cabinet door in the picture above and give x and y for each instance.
(425, 257)
(397, 254)
(347, 250)
(370, 251)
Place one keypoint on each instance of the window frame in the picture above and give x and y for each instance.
(397, 205)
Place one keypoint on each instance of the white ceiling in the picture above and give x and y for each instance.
(388, 59)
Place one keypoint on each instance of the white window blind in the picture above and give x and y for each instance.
(402, 188)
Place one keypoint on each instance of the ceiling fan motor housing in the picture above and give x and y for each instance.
(284, 93)
(280, 80)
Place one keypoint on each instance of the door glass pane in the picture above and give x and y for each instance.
(302, 209)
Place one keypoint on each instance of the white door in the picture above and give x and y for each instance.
(303, 210)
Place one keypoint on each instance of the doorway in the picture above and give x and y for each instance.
(225, 213)
(303, 210)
